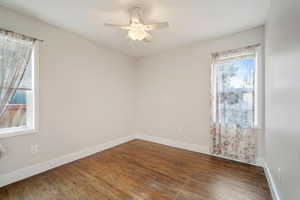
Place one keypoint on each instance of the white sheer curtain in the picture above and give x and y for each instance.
(15, 54)
(233, 132)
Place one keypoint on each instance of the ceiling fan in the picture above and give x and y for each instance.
(137, 29)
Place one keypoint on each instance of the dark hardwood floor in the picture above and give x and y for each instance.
(140, 170)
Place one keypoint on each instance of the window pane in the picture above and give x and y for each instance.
(26, 82)
(235, 86)
(19, 97)
(17, 111)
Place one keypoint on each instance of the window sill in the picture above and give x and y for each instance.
(11, 132)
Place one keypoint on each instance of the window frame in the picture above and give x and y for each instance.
(15, 131)
(258, 89)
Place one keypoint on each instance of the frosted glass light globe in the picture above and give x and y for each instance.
(137, 33)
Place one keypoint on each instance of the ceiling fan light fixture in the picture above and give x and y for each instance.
(137, 33)
(137, 30)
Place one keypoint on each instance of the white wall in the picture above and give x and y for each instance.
(283, 97)
(174, 88)
(86, 95)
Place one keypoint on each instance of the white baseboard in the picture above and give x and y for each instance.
(26, 172)
(205, 150)
(191, 147)
(173, 143)
(272, 186)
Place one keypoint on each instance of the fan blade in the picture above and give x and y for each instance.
(159, 25)
(148, 37)
(125, 27)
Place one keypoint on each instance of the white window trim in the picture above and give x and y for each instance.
(11, 132)
(259, 90)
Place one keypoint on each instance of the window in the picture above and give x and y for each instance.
(20, 116)
(237, 85)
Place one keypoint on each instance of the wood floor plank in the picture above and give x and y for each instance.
(140, 170)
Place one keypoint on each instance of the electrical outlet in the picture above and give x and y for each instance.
(34, 149)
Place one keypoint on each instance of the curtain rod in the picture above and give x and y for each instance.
(2, 29)
(237, 50)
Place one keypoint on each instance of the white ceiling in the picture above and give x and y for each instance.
(190, 20)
